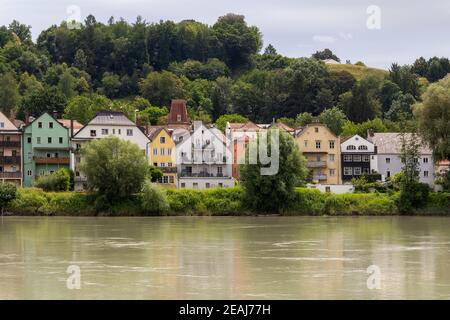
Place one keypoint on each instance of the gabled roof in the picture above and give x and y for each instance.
(391, 143)
(45, 113)
(300, 130)
(9, 123)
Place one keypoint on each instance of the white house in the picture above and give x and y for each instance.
(105, 123)
(203, 159)
(387, 160)
(356, 157)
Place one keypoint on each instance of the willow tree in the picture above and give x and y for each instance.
(115, 168)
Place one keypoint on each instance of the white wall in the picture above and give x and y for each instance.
(201, 182)
(334, 188)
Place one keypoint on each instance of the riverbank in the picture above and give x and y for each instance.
(219, 202)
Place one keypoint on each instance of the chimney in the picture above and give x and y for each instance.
(369, 133)
(27, 117)
(71, 128)
(55, 114)
(138, 120)
(147, 129)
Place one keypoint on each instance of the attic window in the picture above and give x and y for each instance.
(178, 117)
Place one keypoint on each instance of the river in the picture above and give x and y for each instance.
(225, 257)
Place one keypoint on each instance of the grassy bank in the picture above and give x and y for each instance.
(226, 201)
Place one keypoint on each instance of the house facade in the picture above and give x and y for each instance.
(321, 149)
(10, 151)
(46, 148)
(387, 161)
(356, 155)
(203, 160)
(163, 156)
(239, 135)
(105, 123)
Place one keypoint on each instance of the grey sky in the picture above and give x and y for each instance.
(409, 29)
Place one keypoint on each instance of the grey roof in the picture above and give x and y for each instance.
(107, 117)
(390, 143)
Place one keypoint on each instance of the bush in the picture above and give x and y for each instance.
(29, 201)
(153, 199)
(412, 196)
(57, 181)
(8, 192)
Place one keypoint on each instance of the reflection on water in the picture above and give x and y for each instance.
(225, 258)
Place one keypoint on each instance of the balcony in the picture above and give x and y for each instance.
(79, 179)
(11, 175)
(320, 177)
(47, 160)
(186, 174)
(168, 169)
(10, 159)
(12, 144)
(317, 164)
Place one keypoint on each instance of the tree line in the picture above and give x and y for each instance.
(219, 69)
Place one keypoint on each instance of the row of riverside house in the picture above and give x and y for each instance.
(334, 161)
(194, 155)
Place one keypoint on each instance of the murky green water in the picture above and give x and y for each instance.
(224, 258)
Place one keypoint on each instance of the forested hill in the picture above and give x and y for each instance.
(220, 69)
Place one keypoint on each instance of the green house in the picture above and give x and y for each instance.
(45, 148)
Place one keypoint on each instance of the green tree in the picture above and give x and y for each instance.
(161, 87)
(274, 193)
(115, 168)
(110, 85)
(221, 122)
(21, 30)
(8, 192)
(413, 194)
(47, 99)
(334, 119)
(80, 60)
(237, 40)
(304, 118)
(9, 93)
(83, 108)
(67, 84)
(152, 115)
(434, 118)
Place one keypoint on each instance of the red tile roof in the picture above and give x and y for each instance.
(244, 126)
(178, 112)
(66, 123)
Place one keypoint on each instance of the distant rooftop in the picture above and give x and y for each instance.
(390, 143)
(112, 118)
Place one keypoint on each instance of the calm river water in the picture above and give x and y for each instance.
(225, 258)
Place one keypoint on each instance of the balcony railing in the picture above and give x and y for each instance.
(168, 169)
(80, 179)
(203, 159)
(13, 144)
(317, 164)
(48, 160)
(11, 175)
(10, 159)
(201, 175)
(320, 177)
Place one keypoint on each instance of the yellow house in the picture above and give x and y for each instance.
(163, 156)
(321, 149)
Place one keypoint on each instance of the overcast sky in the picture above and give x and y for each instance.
(408, 29)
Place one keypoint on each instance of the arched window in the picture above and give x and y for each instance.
(362, 148)
(351, 147)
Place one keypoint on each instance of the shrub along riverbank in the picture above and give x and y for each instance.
(226, 201)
